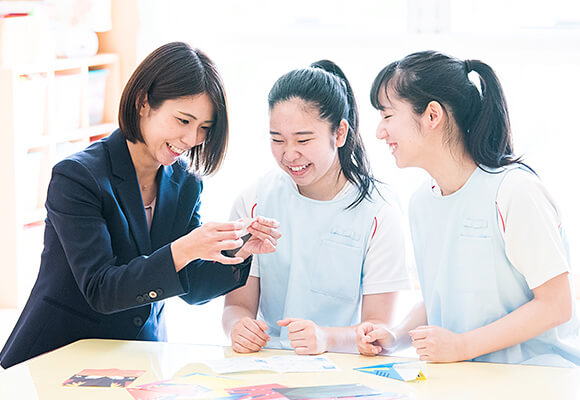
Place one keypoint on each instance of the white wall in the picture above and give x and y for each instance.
(534, 48)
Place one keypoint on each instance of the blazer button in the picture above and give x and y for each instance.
(138, 322)
(153, 294)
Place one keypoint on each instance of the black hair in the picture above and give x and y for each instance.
(325, 87)
(482, 118)
(172, 71)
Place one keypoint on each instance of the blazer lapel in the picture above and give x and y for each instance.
(165, 208)
(127, 191)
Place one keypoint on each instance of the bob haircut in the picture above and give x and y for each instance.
(172, 71)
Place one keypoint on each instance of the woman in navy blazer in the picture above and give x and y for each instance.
(123, 231)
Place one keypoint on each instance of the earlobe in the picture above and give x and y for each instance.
(435, 112)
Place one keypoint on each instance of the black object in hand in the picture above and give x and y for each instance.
(232, 253)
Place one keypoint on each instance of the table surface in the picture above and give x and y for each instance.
(42, 377)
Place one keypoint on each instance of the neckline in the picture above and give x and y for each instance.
(435, 190)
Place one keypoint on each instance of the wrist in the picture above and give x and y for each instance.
(465, 350)
(326, 340)
(180, 254)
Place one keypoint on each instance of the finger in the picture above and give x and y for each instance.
(253, 327)
(267, 221)
(423, 353)
(365, 327)
(297, 326)
(262, 236)
(227, 226)
(269, 246)
(239, 348)
(262, 324)
(298, 338)
(418, 333)
(370, 350)
(230, 244)
(250, 341)
(419, 344)
(303, 350)
(287, 321)
(377, 334)
(264, 232)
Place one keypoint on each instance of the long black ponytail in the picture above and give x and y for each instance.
(325, 86)
(482, 118)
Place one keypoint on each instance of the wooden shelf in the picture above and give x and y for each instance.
(46, 111)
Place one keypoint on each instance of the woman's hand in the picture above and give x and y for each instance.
(434, 343)
(305, 336)
(249, 335)
(371, 339)
(207, 242)
(264, 239)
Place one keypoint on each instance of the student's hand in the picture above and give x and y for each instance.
(372, 338)
(305, 336)
(434, 343)
(264, 239)
(249, 335)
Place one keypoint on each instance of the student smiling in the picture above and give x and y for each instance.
(489, 243)
(342, 257)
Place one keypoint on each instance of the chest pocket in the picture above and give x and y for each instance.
(473, 264)
(337, 272)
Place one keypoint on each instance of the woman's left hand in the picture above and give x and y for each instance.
(264, 239)
(437, 344)
(305, 336)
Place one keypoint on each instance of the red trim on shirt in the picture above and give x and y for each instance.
(252, 212)
(501, 216)
(375, 230)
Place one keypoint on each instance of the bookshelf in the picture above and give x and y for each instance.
(47, 111)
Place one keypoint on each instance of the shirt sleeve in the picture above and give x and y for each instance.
(385, 267)
(244, 207)
(532, 228)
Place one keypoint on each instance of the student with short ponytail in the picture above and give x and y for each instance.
(489, 245)
(342, 253)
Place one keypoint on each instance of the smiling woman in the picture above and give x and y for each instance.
(123, 230)
(342, 257)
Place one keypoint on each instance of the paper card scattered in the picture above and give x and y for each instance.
(403, 371)
(258, 392)
(110, 377)
(196, 385)
(292, 363)
(337, 392)
(327, 391)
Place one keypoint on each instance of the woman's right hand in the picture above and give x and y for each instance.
(372, 338)
(249, 335)
(206, 242)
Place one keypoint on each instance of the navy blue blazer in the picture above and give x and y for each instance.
(103, 274)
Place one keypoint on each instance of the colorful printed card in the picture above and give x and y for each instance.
(354, 391)
(196, 385)
(403, 371)
(111, 377)
(258, 392)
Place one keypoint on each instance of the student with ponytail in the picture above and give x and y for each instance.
(489, 245)
(342, 254)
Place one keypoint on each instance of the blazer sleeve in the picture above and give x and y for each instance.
(75, 211)
(205, 280)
